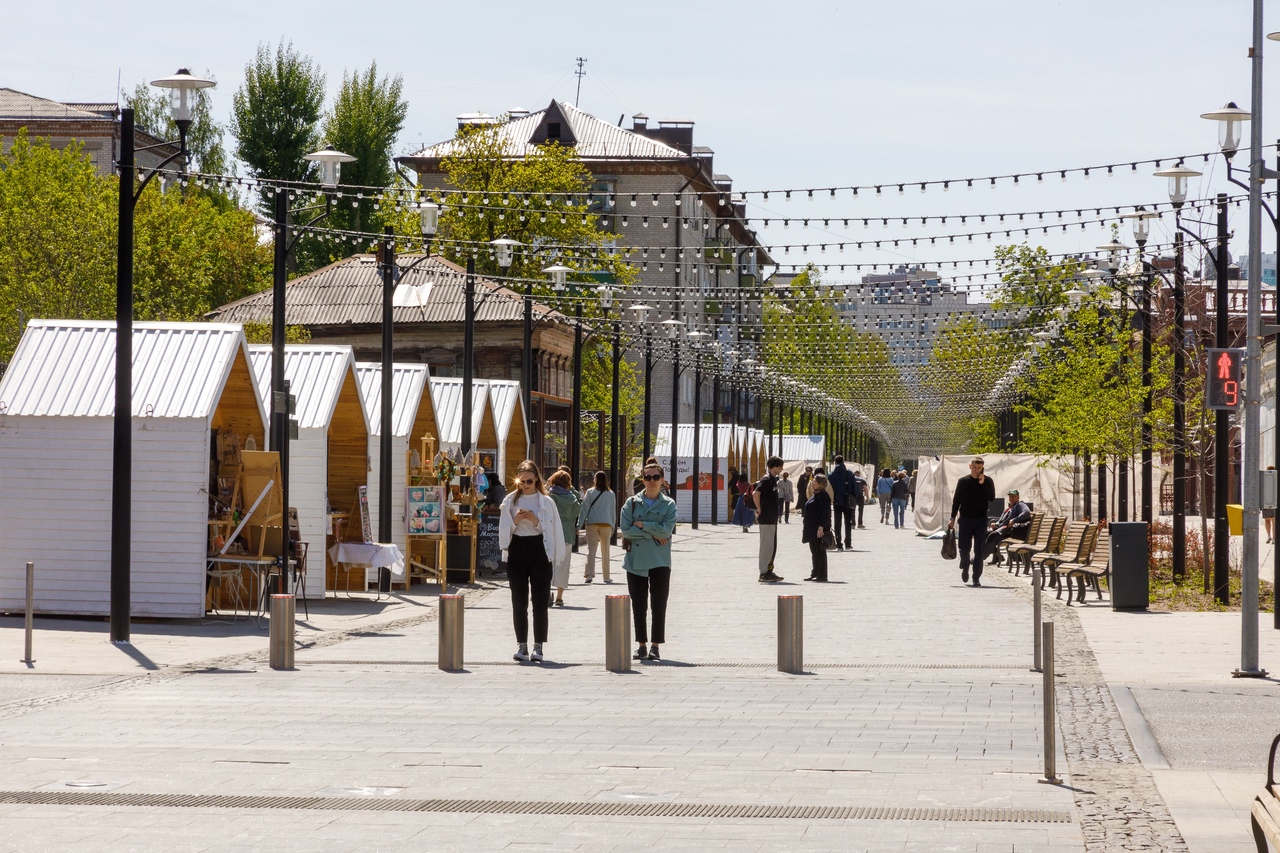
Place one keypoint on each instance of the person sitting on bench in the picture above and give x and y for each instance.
(1013, 523)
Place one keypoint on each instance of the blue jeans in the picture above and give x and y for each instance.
(899, 512)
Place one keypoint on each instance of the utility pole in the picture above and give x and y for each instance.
(579, 74)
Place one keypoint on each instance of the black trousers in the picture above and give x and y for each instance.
(857, 511)
(994, 538)
(972, 537)
(845, 512)
(786, 512)
(818, 554)
(529, 576)
(650, 593)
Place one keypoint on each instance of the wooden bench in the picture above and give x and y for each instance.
(1028, 534)
(1049, 540)
(1090, 570)
(1077, 544)
(1265, 814)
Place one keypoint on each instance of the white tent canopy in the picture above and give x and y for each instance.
(1048, 483)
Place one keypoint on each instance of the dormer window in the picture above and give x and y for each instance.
(553, 130)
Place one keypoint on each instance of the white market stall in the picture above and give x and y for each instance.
(191, 383)
(329, 461)
(412, 419)
(511, 425)
(804, 449)
(713, 446)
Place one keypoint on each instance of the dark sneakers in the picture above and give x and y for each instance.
(964, 574)
(653, 652)
(641, 653)
(770, 577)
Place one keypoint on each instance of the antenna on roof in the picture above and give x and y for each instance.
(579, 74)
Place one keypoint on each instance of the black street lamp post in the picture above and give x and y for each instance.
(559, 276)
(696, 451)
(673, 335)
(182, 87)
(642, 312)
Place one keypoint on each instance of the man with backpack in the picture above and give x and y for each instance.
(841, 480)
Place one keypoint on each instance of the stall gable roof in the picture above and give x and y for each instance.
(315, 375)
(504, 395)
(804, 448)
(705, 435)
(408, 382)
(66, 368)
(446, 396)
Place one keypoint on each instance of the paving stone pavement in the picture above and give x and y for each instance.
(917, 695)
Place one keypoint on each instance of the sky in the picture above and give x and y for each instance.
(798, 95)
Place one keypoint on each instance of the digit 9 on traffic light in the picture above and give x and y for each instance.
(1223, 387)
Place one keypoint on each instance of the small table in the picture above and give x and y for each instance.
(374, 555)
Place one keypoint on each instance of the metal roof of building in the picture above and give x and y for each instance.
(408, 382)
(20, 105)
(66, 368)
(446, 396)
(723, 442)
(804, 448)
(594, 139)
(350, 291)
(315, 374)
(504, 396)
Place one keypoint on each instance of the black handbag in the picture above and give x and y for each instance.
(828, 541)
(949, 545)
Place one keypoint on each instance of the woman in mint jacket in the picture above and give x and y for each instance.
(648, 520)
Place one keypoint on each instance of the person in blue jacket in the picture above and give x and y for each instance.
(648, 521)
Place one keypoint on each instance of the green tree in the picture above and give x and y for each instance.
(365, 121)
(275, 114)
(204, 139)
(968, 356)
(58, 236)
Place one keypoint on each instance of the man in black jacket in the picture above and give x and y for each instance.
(841, 480)
(969, 503)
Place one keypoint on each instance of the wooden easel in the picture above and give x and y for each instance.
(260, 472)
(425, 555)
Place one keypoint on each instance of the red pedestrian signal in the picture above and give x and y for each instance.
(1222, 391)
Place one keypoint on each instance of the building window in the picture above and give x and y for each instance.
(553, 130)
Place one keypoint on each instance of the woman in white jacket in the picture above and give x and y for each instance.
(529, 531)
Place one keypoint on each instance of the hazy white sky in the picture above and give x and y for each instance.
(788, 94)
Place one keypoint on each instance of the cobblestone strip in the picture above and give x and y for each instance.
(129, 682)
(1120, 807)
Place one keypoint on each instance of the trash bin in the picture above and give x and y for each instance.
(1129, 579)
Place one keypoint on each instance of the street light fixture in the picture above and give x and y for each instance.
(330, 162)
(1141, 220)
(1229, 119)
(182, 87)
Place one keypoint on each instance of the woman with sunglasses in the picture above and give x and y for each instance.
(529, 531)
(648, 520)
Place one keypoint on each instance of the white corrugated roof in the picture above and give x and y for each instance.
(504, 396)
(593, 138)
(662, 445)
(804, 448)
(408, 382)
(446, 396)
(66, 368)
(315, 374)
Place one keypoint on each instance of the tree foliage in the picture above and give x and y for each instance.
(365, 120)
(58, 220)
(275, 114)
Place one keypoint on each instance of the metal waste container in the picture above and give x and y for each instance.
(1129, 579)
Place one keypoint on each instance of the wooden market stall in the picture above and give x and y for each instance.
(413, 419)
(194, 406)
(329, 461)
(512, 427)
(462, 520)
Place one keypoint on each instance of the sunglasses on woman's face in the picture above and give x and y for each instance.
(651, 477)
(527, 482)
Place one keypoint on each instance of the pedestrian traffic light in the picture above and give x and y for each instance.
(1223, 389)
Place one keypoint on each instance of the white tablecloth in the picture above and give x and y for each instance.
(375, 555)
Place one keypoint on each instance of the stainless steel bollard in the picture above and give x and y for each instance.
(1036, 592)
(30, 618)
(1050, 708)
(451, 633)
(617, 633)
(791, 634)
(282, 617)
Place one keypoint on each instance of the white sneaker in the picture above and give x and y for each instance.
(537, 653)
(522, 653)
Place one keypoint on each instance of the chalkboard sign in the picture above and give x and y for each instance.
(458, 557)
(488, 554)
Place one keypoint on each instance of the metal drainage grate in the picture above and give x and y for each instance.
(691, 810)
(1019, 667)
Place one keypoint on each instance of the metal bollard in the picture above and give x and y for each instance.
(1050, 743)
(451, 633)
(282, 617)
(791, 634)
(1035, 618)
(31, 603)
(617, 633)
